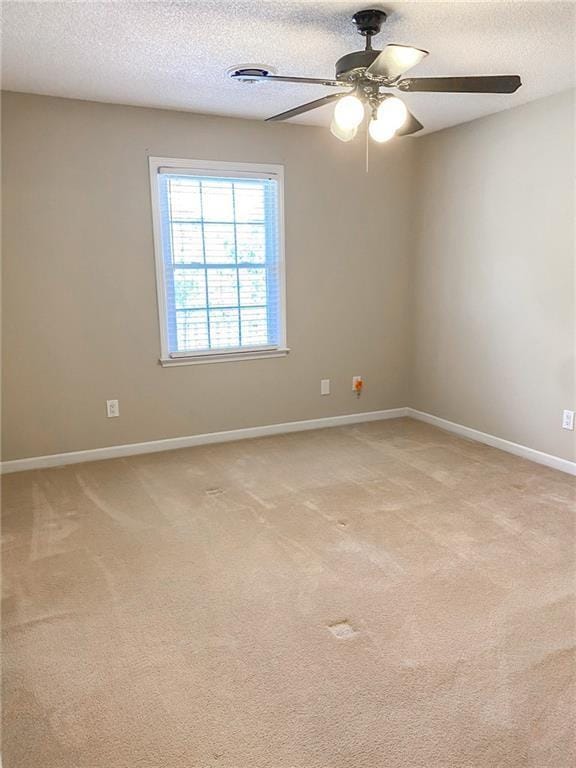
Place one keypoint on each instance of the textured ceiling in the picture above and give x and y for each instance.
(175, 54)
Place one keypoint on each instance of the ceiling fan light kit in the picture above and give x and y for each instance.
(364, 73)
(349, 112)
(392, 111)
(344, 134)
(380, 131)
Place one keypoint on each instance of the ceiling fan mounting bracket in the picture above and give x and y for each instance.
(369, 22)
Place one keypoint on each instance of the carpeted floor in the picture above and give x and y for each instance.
(378, 596)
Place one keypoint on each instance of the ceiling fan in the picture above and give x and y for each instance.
(364, 73)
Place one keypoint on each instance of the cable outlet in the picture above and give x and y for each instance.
(568, 420)
(112, 409)
(324, 386)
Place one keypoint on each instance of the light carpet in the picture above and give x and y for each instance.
(385, 595)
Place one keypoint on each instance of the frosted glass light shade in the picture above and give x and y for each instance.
(381, 131)
(344, 134)
(393, 112)
(349, 112)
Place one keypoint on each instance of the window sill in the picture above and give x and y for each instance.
(224, 358)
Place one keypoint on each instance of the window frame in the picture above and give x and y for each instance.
(216, 168)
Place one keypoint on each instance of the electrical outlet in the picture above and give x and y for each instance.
(568, 420)
(112, 409)
(355, 380)
(324, 386)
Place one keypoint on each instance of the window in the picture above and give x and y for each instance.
(219, 259)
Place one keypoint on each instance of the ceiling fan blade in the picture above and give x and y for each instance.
(286, 79)
(306, 107)
(394, 60)
(481, 84)
(412, 125)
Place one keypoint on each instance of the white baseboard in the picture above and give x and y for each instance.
(154, 446)
(555, 462)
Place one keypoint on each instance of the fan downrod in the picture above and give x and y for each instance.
(351, 67)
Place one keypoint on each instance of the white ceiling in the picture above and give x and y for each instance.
(175, 54)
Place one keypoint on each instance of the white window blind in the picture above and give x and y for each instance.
(220, 260)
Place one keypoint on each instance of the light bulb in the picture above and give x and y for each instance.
(349, 113)
(381, 131)
(393, 111)
(344, 134)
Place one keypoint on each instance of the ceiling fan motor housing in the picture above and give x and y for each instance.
(351, 66)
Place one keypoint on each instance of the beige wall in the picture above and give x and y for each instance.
(79, 297)
(445, 277)
(494, 345)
